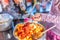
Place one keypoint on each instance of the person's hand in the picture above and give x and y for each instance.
(16, 2)
(37, 17)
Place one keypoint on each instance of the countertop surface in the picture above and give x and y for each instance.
(8, 35)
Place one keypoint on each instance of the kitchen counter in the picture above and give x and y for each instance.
(8, 35)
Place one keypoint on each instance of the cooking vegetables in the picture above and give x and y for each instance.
(28, 30)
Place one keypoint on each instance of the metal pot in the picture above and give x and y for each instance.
(5, 22)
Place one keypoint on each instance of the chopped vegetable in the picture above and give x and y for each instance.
(25, 31)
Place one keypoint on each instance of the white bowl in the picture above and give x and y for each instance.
(5, 22)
